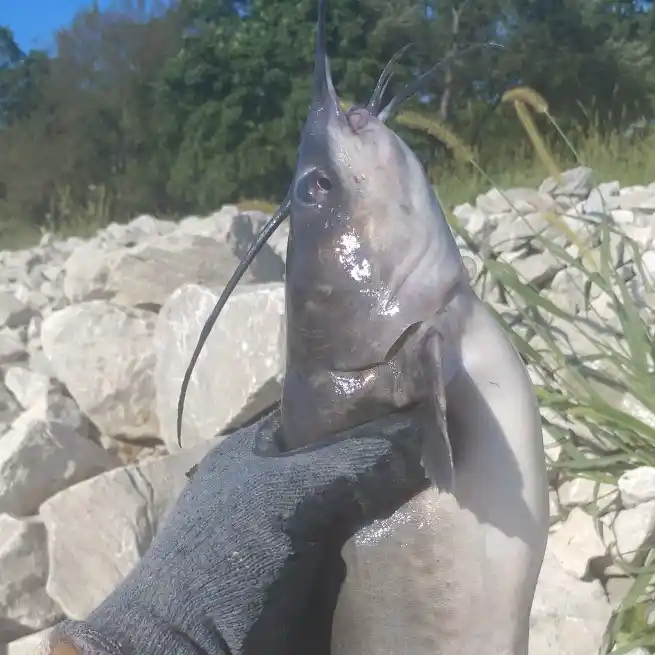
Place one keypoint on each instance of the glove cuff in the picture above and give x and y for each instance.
(80, 638)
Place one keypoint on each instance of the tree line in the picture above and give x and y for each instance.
(177, 106)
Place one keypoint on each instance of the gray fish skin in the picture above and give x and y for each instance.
(371, 267)
(381, 316)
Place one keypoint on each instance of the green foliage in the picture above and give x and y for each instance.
(87, 117)
(599, 51)
(239, 90)
(176, 106)
(21, 78)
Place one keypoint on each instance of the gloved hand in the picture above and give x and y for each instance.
(248, 561)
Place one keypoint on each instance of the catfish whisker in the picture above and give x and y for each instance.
(416, 85)
(383, 81)
(274, 222)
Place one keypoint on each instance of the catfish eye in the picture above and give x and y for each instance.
(313, 187)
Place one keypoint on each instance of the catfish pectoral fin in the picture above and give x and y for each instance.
(437, 454)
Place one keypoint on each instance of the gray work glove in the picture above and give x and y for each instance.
(249, 558)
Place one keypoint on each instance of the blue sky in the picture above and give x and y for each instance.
(34, 21)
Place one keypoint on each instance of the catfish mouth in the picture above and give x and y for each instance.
(359, 118)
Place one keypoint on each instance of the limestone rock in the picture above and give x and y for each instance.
(602, 198)
(639, 199)
(538, 269)
(236, 376)
(38, 299)
(146, 273)
(39, 363)
(637, 409)
(98, 529)
(268, 265)
(105, 356)
(85, 274)
(575, 543)
(39, 457)
(216, 225)
(554, 507)
(598, 203)
(569, 285)
(515, 233)
(514, 201)
(38, 392)
(12, 348)
(9, 408)
(279, 241)
(34, 644)
(568, 616)
(623, 216)
(13, 313)
(24, 604)
(637, 486)
(574, 182)
(468, 214)
(34, 328)
(552, 447)
(581, 492)
(29, 387)
(137, 230)
(633, 530)
(616, 587)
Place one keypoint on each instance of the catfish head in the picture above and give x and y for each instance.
(370, 251)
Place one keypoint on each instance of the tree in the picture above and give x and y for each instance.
(238, 91)
(94, 115)
(176, 106)
(20, 78)
(586, 58)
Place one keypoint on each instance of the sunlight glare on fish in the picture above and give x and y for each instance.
(347, 254)
(348, 384)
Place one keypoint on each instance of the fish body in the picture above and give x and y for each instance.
(454, 573)
(372, 267)
(380, 316)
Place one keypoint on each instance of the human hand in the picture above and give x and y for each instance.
(249, 558)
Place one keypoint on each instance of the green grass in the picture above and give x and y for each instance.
(612, 158)
(15, 235)
(257, 205)
(65, 219)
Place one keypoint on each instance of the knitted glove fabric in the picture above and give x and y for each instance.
(248, 561)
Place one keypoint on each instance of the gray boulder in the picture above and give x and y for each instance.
(105, 356)
(238, 373)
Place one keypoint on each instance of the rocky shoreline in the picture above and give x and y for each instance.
(94, 339)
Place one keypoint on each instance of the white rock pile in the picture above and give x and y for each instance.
(95, 336)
